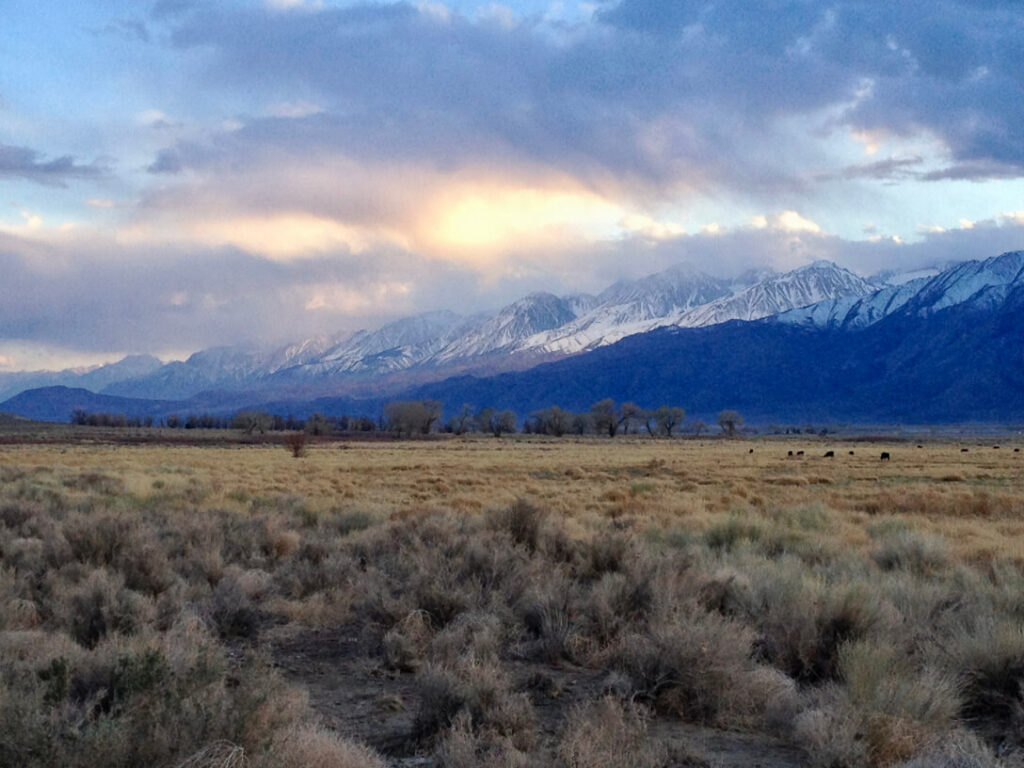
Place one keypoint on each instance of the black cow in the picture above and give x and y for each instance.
(799, 453)
(829, 454)
(751, 450)
(885, 456)
(790, 453)
(851, 453)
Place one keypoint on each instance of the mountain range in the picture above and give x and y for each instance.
(817, 339)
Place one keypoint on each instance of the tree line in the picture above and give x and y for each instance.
(605, 417)
(409, 418)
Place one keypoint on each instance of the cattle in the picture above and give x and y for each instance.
(995, 447)
(964, 450)
(799, 453)
(829, 454)
(885, 456)
(851, 453)
(790, 453)
(920, 446)
(751, 450)
(1016, 450)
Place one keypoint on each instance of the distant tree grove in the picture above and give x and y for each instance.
(410, 418)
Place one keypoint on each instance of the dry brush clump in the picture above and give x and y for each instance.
(110, 637)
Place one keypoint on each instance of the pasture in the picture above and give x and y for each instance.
(514, 602)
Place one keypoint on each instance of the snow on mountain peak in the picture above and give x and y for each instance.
(925, 292)
(822, 294)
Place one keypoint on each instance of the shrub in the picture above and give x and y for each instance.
(406, 642)
(609, 734)
(101, 605)
(733, 532)
(462, 746)
(231, 610)
(915, 552)
(523, 521)
(989, 661)
(901, 709)
(692, 663)
(482, 691)
(311, 746)
(296, 443)
(804, 622)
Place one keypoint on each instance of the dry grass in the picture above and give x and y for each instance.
(867, 611)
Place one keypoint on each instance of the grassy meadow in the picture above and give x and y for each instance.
(512, 602)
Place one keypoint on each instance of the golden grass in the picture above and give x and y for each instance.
(974, 499)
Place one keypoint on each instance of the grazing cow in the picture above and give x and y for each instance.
(920, 446)
(790, 453)
(830, 454)
(1016, 450)
(995, 447)
(885, 456)
(851, 453)
(751, 450)
(964, 450)
(799, 453)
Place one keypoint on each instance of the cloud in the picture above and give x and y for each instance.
(26, 163)
(327, 158)
(890, 169)
(85, 292)
(647, 102)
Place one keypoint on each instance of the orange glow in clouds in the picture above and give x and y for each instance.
(477, 223)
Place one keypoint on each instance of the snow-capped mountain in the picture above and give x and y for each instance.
(543, 326)
(816, 282)
(393, 347)
(504, 331)
(684, 298)
(630, 307)
(230, 368)
(834, 308)
(983, 283)
(540, 326)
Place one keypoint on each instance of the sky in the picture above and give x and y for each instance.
(181, 174)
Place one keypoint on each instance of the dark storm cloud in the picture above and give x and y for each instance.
(657, 91)
(26, 163)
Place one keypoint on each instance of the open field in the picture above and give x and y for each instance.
(514, 602)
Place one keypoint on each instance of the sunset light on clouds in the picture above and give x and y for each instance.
(290, 168)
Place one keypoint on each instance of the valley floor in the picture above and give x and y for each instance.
(513, 602)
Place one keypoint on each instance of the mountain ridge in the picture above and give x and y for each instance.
(538, 327)
(944, 348)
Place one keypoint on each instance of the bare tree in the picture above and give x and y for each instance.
(462, 422)
(730, 421)
(316, 424)
(630, 415)
(699, 426)
(607, 418)
(410, 417)
(551, 421)
(581, 424)
(252, 421)
(497, 422)
(668, 417)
